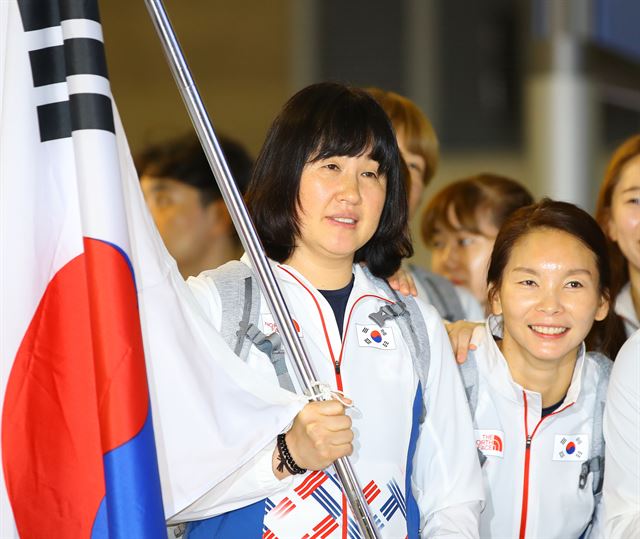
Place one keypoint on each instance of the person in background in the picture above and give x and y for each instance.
(417, 141)
(621, 492)
(618, 213)
(460, 224)
(186, 204)
(418, 145)
(539, 395)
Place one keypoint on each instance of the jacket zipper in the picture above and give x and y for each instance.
(527, 459)
(336, 365)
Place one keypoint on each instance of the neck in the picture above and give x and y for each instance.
(325, 273)
(549, 378)
(223, 250)
(634, 278)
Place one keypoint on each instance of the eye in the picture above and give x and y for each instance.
(436, 243)
(635, 201)
(162, 200)
(370, 174)
(465, 241)
(331, 166)
(528, 282)
(574, 284)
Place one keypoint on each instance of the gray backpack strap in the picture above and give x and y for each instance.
(440, 293)
(240, 299)
(408, 316)
(271, 345)
(471, 381)
(595, 464)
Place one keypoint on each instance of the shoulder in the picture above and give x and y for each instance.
(211, 287)
(626, 369)
(600, 364)
(470, 305)
(429, 312)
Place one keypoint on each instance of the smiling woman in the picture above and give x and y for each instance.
(538, 390)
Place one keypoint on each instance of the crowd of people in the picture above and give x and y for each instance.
(534, 432)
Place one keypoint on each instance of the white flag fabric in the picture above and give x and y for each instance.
(68, 190)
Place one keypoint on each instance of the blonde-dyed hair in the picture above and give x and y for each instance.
(628, 150)
(407, 118)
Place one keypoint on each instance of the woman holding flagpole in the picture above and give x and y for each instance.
(327, 195)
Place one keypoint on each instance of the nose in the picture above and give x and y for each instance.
(451, 255)
(549, 303)
(349, 188)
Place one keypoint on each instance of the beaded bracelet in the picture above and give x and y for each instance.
(285, 458)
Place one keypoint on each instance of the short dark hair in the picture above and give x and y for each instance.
(184, 160)
(566, 217)
(320, 121)
(498, 195)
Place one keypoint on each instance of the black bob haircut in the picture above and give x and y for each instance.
(320, 121)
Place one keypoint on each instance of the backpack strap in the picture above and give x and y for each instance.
(240, 300)
(595, 464)
(440, 293)
(408, 316)
(471, 382)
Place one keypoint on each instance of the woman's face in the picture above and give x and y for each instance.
(624, 223)
(416, 165)
(549, 297)
(340, 203)
(463, 256)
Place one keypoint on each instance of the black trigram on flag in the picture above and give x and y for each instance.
(68, 66)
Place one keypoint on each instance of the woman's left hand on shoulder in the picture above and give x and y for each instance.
(403, 282)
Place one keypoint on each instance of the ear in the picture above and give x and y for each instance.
(603, 309)
(494, 301)
(219, 219)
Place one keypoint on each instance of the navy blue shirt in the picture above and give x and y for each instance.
(550, 409)
(338, 300)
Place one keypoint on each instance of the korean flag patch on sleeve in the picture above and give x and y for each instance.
(375, 337)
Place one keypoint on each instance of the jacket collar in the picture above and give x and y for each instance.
(499, 375)
(361, 285)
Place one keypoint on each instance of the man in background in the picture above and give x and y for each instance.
(186, 204)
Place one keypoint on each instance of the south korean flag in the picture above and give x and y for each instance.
(375, 337)
(571, 447)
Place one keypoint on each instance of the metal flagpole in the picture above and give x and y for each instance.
(251, 243)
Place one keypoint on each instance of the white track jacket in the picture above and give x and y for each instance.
(621, 493)
(533, 465)
(378, 374)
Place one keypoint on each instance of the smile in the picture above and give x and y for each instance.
(344, 220)
(549, 330)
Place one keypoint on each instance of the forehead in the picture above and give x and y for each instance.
(324, 154)
(629, 176)
(552, 248)
(479, 222)
(161, 184)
